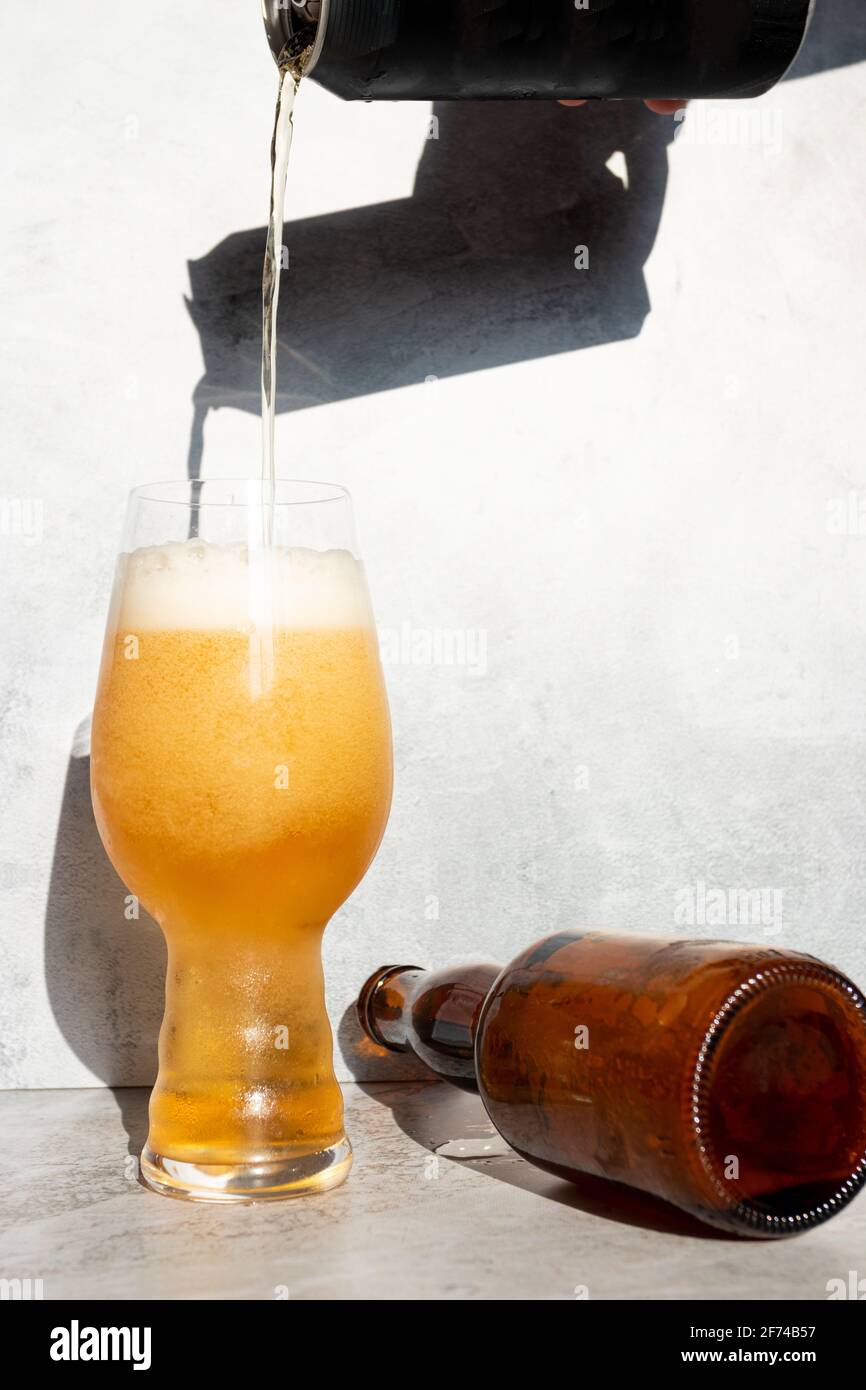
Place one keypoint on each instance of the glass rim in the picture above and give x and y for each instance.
(181, 492)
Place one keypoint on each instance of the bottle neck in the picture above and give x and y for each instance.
(435, 1016)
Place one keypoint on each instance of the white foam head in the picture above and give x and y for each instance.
(193, 585)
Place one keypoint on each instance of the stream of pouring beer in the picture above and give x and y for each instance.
(261, 510)
(281, 146)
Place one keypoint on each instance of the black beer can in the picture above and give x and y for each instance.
(547, 49)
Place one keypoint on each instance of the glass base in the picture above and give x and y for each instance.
(299, 1176)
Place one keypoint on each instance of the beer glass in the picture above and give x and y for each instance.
(241, 778)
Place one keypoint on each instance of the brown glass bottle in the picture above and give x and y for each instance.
(727, 1079)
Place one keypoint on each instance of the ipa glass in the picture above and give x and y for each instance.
(241, 777)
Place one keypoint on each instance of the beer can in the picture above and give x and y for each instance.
(444, 50)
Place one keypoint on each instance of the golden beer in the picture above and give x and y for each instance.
(241, 774)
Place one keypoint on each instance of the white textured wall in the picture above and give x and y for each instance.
(637, 520)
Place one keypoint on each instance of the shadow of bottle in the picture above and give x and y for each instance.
(453, 1126)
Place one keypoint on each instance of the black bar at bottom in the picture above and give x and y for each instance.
(199, 1338)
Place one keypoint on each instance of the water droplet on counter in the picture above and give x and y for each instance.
(490, 1145)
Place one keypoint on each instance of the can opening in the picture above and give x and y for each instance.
(292, 27)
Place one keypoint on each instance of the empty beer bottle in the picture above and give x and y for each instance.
(725, 1078)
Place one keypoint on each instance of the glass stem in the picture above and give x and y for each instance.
(245, 1050)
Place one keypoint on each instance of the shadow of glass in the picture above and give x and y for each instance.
(475, 270)
(133, 1104)
(104, 968)
(434, 1115)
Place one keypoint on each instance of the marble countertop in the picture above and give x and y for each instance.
(471, 1221)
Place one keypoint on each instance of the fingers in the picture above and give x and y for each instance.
(661, 108)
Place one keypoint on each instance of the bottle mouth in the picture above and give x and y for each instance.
(373, 1006)
(293, 27)
(778, 1099)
